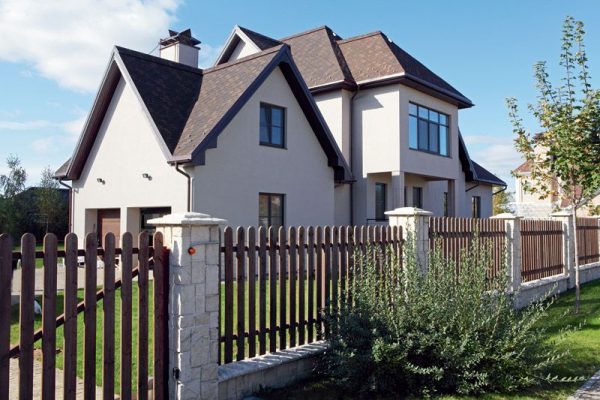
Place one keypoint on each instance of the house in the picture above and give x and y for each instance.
(528, 203)
(395, 121)
(306, 130)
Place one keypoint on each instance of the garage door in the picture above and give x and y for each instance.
(109, 220)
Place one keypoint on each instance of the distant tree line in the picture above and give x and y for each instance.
(39, 209)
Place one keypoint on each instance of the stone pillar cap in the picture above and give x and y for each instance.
(408, 212)
(187, 219)
(506, 216)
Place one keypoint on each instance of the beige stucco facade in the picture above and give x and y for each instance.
(227, 185)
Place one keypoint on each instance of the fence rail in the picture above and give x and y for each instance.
(587, 240)
(541, 249)
(456, 235)
(147, 257)
(295, 275)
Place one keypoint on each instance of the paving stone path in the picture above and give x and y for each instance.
(37, 381)
(590, 390)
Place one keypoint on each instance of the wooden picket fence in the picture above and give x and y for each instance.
(541, 249)
(294, 275)
(587, 240)
(147, 257)
(454, 236)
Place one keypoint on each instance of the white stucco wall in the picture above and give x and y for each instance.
(335, 107)
(228, 185)
(125, 148)
(241, 50)
(483, 191)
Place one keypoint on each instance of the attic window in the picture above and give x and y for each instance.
(272, 125)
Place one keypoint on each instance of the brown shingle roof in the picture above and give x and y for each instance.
(263, 42)
(525, 167)
(190, 107)
(318, 57)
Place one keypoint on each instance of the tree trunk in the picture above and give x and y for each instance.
(576, 263)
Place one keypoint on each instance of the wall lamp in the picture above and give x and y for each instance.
(146, 176)
(100, 180)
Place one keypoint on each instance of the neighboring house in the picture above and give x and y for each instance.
(395, 121)
(308, 130)
(528, 203)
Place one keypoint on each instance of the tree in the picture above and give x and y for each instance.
(49, 203)
(566, 153)
(10, 186)
(502, 202)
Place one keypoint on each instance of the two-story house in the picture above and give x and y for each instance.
(307, 130)
(395, 121)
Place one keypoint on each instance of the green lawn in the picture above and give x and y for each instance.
(39, 262)
(584, 358)
(14, 335)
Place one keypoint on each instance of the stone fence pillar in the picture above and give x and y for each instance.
(568, 244)
(513, 247)
(194, 241)
(415, 225)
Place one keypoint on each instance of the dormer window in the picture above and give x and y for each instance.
(272, 125)
(428, 130)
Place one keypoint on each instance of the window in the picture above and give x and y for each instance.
(476, 206)
(405, 196)
(427, 130)
(417, 200)
(270, 210)
(272, 125)
(147, 214)
(380, 206)
(445, 204)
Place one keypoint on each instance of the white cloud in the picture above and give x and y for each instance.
(24, 125)
(496, 153)
(208, 55)
(70, 40)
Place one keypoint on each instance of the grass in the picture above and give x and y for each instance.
(14, 335)
(39, 262)
(583, 360)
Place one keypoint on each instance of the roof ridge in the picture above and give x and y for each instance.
(245, 59)
(363, 36)
(157, 60)
(305, 33)
(244, 29)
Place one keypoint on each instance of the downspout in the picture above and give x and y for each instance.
(189, 186)
(350, 157)
(60, 181)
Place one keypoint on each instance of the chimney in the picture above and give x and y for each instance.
(180, 47)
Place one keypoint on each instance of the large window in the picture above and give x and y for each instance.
(445, 204)
(272, 125)
(476, 206)
(380, 194)
(270, 209)
(428, 130)
(417, 198)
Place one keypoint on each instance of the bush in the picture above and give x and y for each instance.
(409, 332)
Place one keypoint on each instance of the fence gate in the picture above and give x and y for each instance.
(103, 326)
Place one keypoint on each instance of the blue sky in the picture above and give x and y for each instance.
(52, 56)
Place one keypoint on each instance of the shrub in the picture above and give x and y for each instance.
(445, 331)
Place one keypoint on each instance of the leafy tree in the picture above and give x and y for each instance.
(49, 203)
(10, 186)
(502, 202)
(567, 151)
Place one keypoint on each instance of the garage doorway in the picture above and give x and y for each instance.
(109, 220)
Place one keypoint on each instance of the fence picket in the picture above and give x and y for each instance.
(241, 264)
(89, 318)
(283, 264)
(228, 237)
(320, 282)
(272, 290)
(161, 318)
(262, 295)
(49, 318)
(302, 277)
(108, 307)
(251, 292)
(126, 314)
(143, 257)
(292, 284)
(311, 280)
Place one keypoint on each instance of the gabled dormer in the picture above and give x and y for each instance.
(243, 42)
